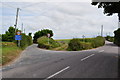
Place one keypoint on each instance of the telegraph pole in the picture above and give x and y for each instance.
(22, 28)
(16, 19)
(102, 30)
(18, 41)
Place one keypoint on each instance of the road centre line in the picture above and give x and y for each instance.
(101, 51)
(87, 57)
(57, 73)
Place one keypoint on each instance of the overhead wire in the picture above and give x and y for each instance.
(21, 20)
(29, 5)
(23, 8)
(7, 5)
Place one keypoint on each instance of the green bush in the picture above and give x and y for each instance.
(43, 43)
(76, 44)
(98, 41)
(117, 37)
(88, 43)
(85, 45)
(41, 33)
(26, 41)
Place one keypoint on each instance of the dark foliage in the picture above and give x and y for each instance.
(26, 41)
(109, 7)
(117, 37)
(9, 35)
(41, 33)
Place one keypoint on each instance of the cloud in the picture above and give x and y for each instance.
(66, 19)
(46, 1)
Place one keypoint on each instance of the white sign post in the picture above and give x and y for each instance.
(48, 35)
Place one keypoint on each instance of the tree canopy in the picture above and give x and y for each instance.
(9, 35)
(41, 33)
(117, 37)
(109, 7)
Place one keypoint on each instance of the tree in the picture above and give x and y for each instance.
(41, 33)
(36, 36)
(9, 35)
(4, 37)
(109, 7)
(30, 34)
(117, 37)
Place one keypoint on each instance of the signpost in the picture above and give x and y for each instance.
(48, 35)
(83, 37)
(18, 37)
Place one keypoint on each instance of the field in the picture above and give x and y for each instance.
(9, 52)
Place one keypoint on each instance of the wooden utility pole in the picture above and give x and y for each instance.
(16, 19)
(102, 30)
(22, 28)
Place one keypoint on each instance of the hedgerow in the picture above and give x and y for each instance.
(43, 43)
(83, 44)
(26, 41)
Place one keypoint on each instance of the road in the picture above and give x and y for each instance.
(101, 62)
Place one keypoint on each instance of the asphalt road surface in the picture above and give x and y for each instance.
(101, 62)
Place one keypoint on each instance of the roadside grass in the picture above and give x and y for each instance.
(9, 52)
(63, 47)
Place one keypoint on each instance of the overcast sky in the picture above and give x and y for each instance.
(66, 19)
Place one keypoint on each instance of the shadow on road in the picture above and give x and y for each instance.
(118, 62)
(111, 44)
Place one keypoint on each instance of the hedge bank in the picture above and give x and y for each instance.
(83, 44)
(43, 43)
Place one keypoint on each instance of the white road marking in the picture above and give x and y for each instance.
(57, 73)
(101, 51)
(87, 57)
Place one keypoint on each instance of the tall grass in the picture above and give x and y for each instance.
(9, 52)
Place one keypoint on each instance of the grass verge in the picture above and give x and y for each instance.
(9, 52)
(61, 48)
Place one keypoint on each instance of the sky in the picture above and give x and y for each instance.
(66, 19)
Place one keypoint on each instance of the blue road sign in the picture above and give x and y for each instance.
(18, 37)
